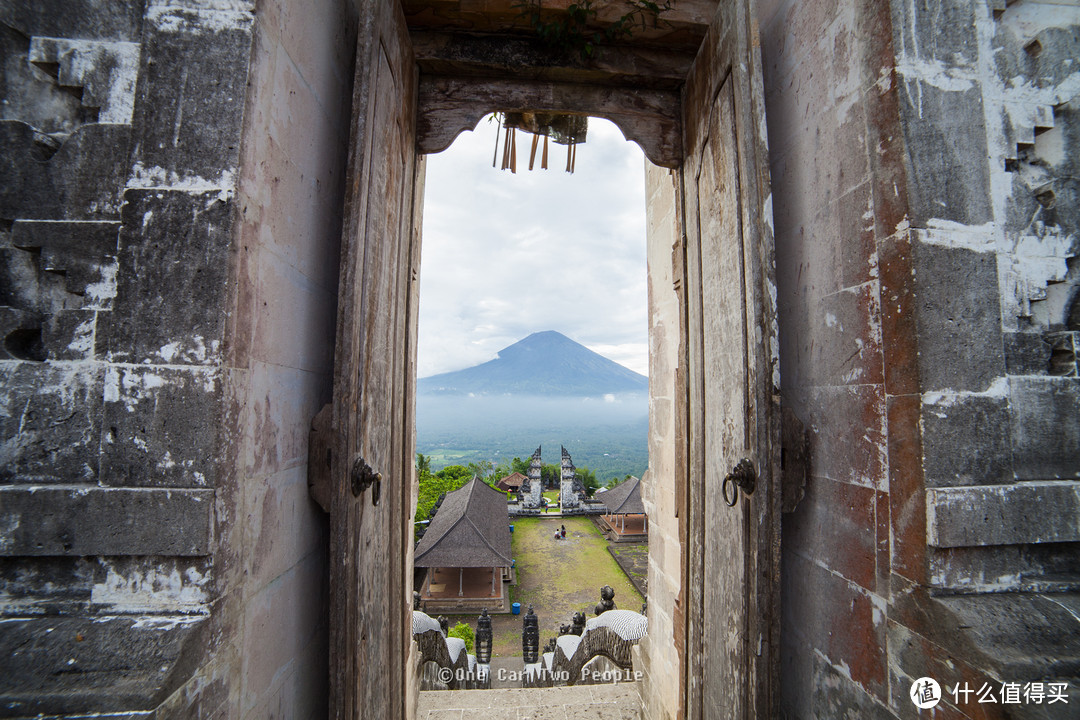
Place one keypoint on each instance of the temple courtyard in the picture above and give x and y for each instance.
(557, 577)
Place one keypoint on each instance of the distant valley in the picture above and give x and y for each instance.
(544, 390)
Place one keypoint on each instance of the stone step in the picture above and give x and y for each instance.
(603, 702)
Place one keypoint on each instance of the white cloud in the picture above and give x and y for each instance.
(505, 255)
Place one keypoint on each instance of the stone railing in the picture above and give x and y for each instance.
(444, 662)
(572, 657)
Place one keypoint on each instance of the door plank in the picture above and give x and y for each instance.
(732, 616)
(368, 573)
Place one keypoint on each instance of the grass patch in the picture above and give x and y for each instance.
(558, 578)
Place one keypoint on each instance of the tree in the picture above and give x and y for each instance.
(588, 479)
(485, 470)
(463, 631)
(520, 466)
(550, 475)
(423, 463)
(448, 479)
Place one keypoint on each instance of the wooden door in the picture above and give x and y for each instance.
(732, 380)
(373, 383)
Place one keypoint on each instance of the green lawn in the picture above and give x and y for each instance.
(558, 577)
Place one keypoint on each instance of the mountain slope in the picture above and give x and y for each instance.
(544, 363)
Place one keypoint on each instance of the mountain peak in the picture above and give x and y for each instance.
(544, 363)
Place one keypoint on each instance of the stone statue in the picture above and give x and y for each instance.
(579, 623)
(444, 624)
(415, 600)
(607, 600)
(530, 637)
(483, 639)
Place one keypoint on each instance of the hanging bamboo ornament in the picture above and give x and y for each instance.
(532, 153)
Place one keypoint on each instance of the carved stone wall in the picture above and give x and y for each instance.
(170, 198)
(924, 279)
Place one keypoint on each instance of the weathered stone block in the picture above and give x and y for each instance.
(912, 656)
(89, 19)
(50, 419)
(1026, 353)
(837, 696)
(273, 643)
(1014, 631)
(91, 520)
(172, 278)
(948, 176)
(91, 664)
(899, 343)
(846, 337)
(69, 335)
(81, 254)
(996, 568)
(1003, 514)
(160, 426)
(849, 441)
(966, 440)
(907, 499)
(46, 585)
(834, 524)
(190, 103)
(1045, 427)
(841, 621)
(81, 181)
(958, 311)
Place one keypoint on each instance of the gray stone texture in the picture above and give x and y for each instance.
(1026, 353)
(89, 19)
(192, 90)
(1003, 514)
(958, 317)
(160, 427)
(1045, 427)
(943, 125)
(1039, 567)
(56, 664)
(81, 181)
(90, 520)
(50, 423)
(967, 441)
(172, 280)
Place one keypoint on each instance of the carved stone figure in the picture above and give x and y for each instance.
(607, 600)
(483, 639)
(530, 637)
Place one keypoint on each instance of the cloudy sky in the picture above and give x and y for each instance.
(505, 255)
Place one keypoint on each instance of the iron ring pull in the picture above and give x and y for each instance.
(742, 476)
(364, 477)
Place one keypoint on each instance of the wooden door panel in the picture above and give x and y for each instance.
(368, 576)
(725, 423)
(732, 392)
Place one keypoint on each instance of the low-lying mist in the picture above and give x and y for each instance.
(607, 434)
